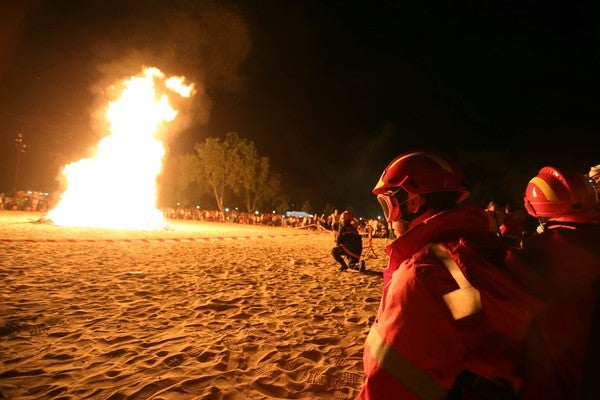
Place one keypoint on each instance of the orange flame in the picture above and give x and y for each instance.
(117, 187)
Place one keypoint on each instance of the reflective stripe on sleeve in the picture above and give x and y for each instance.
(465, 300)
(411, 377)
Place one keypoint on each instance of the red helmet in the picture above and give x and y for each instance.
(346, 216)
(417, 173)
(422, 172)
(553, 193)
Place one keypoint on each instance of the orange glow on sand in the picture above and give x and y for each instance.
(117, 188)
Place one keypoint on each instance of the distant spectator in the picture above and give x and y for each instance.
(334, 222)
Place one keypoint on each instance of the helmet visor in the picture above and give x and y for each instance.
(386, 205)
(390, 203)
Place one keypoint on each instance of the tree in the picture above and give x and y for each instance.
(306, 207)
(229, 169)
(187, 169)
(283, 206)
(219, 166)
(273, 195)
(177, 179)
(258, 184)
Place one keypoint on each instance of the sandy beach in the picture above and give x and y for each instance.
(195, 311)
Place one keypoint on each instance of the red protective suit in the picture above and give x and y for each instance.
(563, 267)
(445, 308)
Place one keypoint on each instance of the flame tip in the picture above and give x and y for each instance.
(128, 160)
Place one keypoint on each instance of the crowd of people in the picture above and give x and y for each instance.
(316, 221)
(39, 201)
(25, 201)
(473, 305)
(465, 314)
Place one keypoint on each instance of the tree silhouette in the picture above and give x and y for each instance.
(228, 170)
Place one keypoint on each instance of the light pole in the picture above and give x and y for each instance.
(20, 146)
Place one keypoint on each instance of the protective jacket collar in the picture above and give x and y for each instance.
(464, 221)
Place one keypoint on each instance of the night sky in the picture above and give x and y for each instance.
(330, 91)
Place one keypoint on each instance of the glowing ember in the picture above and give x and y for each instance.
(117, 187)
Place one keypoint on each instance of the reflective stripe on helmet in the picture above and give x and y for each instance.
(547, 191)
(411, 377)
(553, 193)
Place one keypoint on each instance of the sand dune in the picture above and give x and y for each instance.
(196, 311)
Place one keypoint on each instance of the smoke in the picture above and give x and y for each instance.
(204, 42)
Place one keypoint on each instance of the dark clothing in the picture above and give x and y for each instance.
(561, 266)
(349, 244)
(513, 228)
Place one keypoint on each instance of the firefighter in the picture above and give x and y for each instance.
(451, 322)
(348, 243)
(564, 271)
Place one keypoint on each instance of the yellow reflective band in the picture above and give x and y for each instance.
(441, 162)
(411, 377)
(465, 300)
(544, 187)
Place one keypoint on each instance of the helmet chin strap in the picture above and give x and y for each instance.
(413, 203)
(409, 210)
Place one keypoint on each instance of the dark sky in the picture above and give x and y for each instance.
(330, 91)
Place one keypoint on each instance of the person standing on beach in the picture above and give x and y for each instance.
(334, 222)
(451, 322)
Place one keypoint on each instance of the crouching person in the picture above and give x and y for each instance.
(348, 243)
